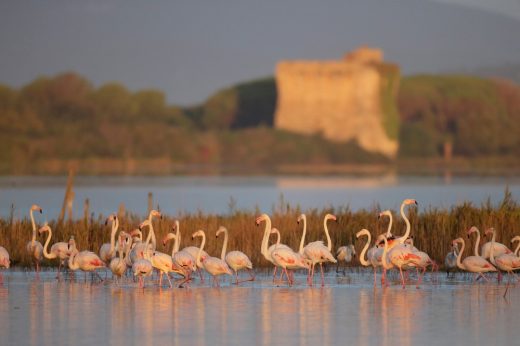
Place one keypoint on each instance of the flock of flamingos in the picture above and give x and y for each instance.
(129, 253)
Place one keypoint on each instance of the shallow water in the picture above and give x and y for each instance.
(346, 311)
(223, 194)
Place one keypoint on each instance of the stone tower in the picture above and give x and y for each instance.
(349, 99)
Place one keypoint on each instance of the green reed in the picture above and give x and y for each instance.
(432, 230)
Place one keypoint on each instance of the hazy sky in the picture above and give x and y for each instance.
(189, 49)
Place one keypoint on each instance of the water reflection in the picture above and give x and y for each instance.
(47, 312)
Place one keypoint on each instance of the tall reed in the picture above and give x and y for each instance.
(432, 229)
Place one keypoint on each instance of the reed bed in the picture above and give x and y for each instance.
(432, 230)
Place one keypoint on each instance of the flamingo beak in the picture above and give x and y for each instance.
(416, 203)
(41, 211)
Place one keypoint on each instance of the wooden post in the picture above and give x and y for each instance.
(150, 202)
(69, 196)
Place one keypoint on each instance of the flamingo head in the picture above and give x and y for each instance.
(302, 217)
(167, 238)
(261, 218)
(473, 229)
(220, 230)
(383, 213)
(456, 241)
(516, 238)
(155, 213)
(44, 228)
(199, 233)
(111, 217)
(331, 217)
(352, 249)
(36, 207)
(144, 224)
(490, 231)
(409, 201)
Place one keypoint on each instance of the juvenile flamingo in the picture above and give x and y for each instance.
(450, 262)
(214, 266)
(475, 264)
(4, 262)
(58, 250)
(34, 247)
(345, 254)
(236, 260)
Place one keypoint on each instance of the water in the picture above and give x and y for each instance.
(347, 311)
(220, 195)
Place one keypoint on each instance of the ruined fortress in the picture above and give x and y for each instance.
(349, 99)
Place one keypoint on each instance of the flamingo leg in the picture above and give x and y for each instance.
(375, 277)
(322, 276)
(1, 278)
(274, 273)
(287, 274)
(402, 277)
(169, 281)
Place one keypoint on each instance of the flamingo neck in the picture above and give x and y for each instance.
(408, 227)
(224, 246)
(33, 228)
(388, 233)
(277, 237)
(46, 253)
(475, 250)
(154, 241)
(302, 241)
(115, 226)
(199, 263)
(459, 256)
(177, 242)
(492, 250)
(73, 265)
(517, 248)
(146, 244)
(265, 240)
(384, 260)
(362, 259)
(329, 242)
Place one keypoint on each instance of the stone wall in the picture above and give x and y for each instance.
(341, 99)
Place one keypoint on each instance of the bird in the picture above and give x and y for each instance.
(192, 251)
(236, 260)
(474, 264)
(34, 247)
(516, 239)
(450, 261)
(107, 250)
(401, 256)
(345, 254)
(182, 261)
(4, 262)
(141, 264)
(58, 250)
(499, 248)
(374, 255)
(117, 264)
(506, 262)
(86, 261)
(392, 240)
(214, 266)
(317, 252)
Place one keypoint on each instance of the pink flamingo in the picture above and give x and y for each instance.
(34, 247)
(4, 262)
(498, 248)
(374, 255)
(86, 261)
(142, 265)
(475, 264)
(118, 264)
(236, 260)
(191, 250)
(516, 239)
(402, 256)
(317, 252)
(264, 250)
(58, 250)
(214, 266)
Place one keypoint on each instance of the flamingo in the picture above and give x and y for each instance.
(34, 247)
(317, 252)
(392, 240)
(106, 251)
(422, 262)
(4, 262)
(214, 266)
(86, 261)
(450, 262)
(236, 260)
(141, 264)
(345, 254)
(516, 239)
(58, 250)
(264, 250)
(402, 256)
(118, 264)
(138, 251)
(499, 248)
(192, 251)
(181, 258)
(506, 262)
(374, 255)
(475, 264)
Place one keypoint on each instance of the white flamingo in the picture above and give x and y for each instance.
(192, 251)
(506, 262)
(236, 260)
(107, 250)
(264, 250)
(475, 264)
(374, 255)
(34, 247)
(213, 265)
(141, 264)
(138, 251)
(4, 262)
(516, 239)
(59, 250)
(499, 248)
(317, 252)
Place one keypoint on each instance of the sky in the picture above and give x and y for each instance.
(190, 49)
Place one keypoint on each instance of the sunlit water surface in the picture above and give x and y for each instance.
(347, 311)
(223, 194)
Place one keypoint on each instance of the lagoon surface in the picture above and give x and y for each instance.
(347, 311)
(177, 195)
